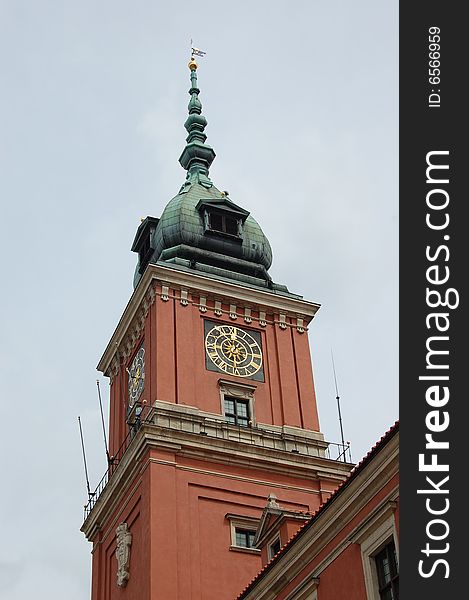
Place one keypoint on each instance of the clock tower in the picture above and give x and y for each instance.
(212, 403)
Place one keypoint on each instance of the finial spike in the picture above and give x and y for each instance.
(195, 52)
(196, 156)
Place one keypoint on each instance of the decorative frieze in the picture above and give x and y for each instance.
(258, 301)
(164, 293)
(148, 301)
(237, 389)
(203, 304)
(184, 299)
(249, 312)
(151, 294)
(141, 322)
(114, 368)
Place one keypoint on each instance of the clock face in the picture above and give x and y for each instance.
(233, 350)
(137, 376)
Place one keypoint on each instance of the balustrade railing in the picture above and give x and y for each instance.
(170, 421)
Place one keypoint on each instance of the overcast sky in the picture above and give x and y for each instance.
(301, 100)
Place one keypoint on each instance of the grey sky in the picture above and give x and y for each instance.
(301, 100)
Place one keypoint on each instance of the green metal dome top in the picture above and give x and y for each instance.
(201, 228)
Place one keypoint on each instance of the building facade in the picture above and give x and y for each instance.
(213, 418)
(349, 549)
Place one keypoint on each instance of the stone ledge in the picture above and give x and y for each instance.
(217, 450)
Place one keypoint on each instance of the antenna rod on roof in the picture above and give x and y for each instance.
(102, 421)
(90, 495)
(337, 397)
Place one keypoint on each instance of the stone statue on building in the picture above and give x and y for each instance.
(124, 541)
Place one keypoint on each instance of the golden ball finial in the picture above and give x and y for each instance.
(192, 64)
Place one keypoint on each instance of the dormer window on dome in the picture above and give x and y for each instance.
(223, 217)
(221, 223)
(201, 229)
(143, 242)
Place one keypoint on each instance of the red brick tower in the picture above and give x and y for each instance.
(212, 403)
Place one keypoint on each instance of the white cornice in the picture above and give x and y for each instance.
(216, 451)
(213, 288)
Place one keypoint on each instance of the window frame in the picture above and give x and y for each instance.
(274, 541)
(218, 212)
(390, 552)
(234, 415)
(238, 391)
(243, 530)
(224, 218)
(240, 522)
(375, 534)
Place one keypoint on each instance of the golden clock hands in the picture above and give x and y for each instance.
(240, 350)
(136, 378)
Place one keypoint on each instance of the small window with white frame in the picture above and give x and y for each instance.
(274, 547)
(243, 533)
(237, 411)
(379, 549)
(237, 402)
(244, 538)
(387, 572)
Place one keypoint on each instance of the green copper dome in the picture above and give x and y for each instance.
(201, 228)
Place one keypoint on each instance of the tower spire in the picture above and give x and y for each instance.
(197, 156)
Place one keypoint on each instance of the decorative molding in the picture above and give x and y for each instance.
(299, 325)
(165, 293)
(374, 540)
(242, 522)
(124, 541)
(138, 324)
(152, 294)
(184, 301)
(129, 329)
(178, 432)
(115, 364)
(237, 389)
(244, 391)
(272, 501)
(203, 304)
(306, 590)
(141, 322)
(282, 321)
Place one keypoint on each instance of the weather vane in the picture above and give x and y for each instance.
(196, 51)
